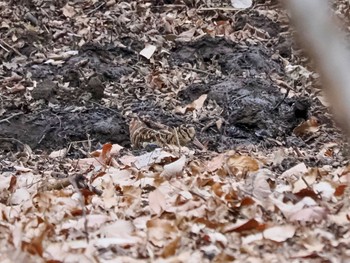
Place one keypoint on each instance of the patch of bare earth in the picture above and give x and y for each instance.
(268, 181)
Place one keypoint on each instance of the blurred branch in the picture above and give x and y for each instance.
(325, 43)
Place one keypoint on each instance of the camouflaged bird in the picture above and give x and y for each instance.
(141, 135)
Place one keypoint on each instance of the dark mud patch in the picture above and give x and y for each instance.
(233, 59)
(49, 129)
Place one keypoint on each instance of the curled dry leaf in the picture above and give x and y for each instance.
(68, 11)
(296, 171)
(312, 125)
(305, 210)
(58, 154)
(279, 233)
(174, 168)
(115, 149)
(242, 225)
(160, 231)
(148, 51)
(309, 214)
(195, 105)
(241, 163)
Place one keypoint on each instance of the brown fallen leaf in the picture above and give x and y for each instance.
(240, 163)
(312, 125)
(194, 105)
(160, 231)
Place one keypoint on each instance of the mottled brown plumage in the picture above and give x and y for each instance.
(141, 135)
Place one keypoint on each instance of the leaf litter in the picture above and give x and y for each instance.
(273, 175)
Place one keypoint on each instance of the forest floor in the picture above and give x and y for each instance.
(269, 184)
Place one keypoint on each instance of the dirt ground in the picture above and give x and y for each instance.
(72, 77)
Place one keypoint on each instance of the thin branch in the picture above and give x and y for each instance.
(95, 9)
(10, 117)
(11, 47)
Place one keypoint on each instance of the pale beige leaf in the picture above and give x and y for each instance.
(295, 171)
(58, 154)
(119, 228)
(157, 201)
(241, 4)
(174, 168)
(279, 233)
(20, 196)
(68, 11)
(215, 163)
(309, 214)
(325, 189)
(148, 51)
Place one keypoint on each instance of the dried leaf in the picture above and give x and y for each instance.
(68, 11)
(279, 233)
(174, 168)
(157, 201)
(148, 51)
(58, 154)
(240, 163)
(296, 171)
(310, 126)
(241, 4)
(195, 105)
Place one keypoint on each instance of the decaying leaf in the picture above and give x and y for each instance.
(240, 163)
(312, 125)
(161, 231)
(195, 105)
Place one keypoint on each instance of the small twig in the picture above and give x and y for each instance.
(305, 182)
(199, 71)
(240, 97)
(11, 139)
(282, 100)
(8, 118)
(177, 140)
(217, 8)
(95, 9)
(169, 6)
(15, 50)
(4, 48)
(197, 194)
(105, 107)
